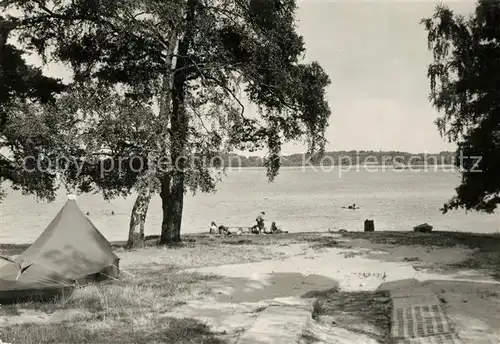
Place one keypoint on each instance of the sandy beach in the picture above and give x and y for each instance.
(224, 284)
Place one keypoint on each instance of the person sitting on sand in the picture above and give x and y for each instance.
(260, 221)
(276, 230)
(254, 229)
(224, 230)
(213, 228)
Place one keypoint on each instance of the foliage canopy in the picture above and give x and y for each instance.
(22, 87)
(133, 51)
(465, 87)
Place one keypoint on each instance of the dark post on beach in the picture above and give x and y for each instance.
(369, 226)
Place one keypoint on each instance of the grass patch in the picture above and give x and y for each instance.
(325, 242)
(353, 254)
(316, 239)
(489, 294)
(260, 309)
(125, 311)
(412, 259)
(439, 239)
(487, 260)
(208, 251)
(262, 239)
(321, 294)
(9, 310)
(166, 330)
(308, 338)
(154, 290)
(238, 242)
(373, 308)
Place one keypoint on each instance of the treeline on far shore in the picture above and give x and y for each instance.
(347, 158)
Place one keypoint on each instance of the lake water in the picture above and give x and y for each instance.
(299, 200)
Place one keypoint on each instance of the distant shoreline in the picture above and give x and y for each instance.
(348, 158)
(392, 166)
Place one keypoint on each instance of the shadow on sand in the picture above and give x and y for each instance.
(276, 285)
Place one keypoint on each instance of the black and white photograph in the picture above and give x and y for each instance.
(250, 171)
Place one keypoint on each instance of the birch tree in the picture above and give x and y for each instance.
(189, 59)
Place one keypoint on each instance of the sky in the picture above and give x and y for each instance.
(376, 56)
(375, 53)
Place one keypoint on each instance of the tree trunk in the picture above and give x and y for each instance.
(177, 206)
(178, 151)
(138, 219)
(171, 227)
(167, 235)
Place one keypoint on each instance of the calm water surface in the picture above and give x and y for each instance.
(299, 200)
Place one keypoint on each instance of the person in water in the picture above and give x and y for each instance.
(353, 206)
(112, 212)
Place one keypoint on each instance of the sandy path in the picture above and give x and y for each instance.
(352, 272)
(351, 269)
(293, 277)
